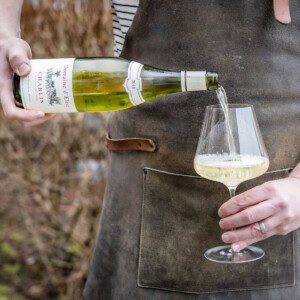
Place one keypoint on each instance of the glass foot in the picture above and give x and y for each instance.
(224, 254)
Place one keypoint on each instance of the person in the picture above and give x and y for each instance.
(158, 217)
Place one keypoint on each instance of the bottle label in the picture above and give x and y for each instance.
(133, 83)
(193, 81)
(48, 87)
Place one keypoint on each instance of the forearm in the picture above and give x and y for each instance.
(10, 13)
(296, 172)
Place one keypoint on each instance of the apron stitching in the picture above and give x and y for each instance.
(141, 229)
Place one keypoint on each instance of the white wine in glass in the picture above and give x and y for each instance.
(230, 151)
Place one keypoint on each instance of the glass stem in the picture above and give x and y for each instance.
(232, 191)
(232, 194)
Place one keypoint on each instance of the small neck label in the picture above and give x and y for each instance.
(48, 87)
(193, 81)
(133, 83)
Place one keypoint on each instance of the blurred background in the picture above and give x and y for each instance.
(53, 175)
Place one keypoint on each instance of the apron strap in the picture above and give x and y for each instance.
(130, 144)
(282, 11)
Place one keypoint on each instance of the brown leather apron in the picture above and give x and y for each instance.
(158, 217)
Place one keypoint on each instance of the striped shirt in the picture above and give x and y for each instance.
(123, 12)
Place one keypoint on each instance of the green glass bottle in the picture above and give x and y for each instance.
(101, 84)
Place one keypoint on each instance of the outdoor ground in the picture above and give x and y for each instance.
(53, 175)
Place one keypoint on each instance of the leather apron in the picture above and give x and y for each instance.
(158, 216)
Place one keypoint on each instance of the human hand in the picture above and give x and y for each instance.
(15, 54)
(275, 203)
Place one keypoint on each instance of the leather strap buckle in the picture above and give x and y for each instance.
(130, 144)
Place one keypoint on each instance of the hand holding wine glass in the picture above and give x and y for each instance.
(275, 202)
(230, 151)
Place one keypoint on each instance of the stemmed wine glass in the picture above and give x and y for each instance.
(231, 150)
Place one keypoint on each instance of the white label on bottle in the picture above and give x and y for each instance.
(183, 81)
(133, 83)
(48, 87)
(193, 81)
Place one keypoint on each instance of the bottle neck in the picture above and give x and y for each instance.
(184, 81)
(212, 81)
(198, 81)
(193, 81)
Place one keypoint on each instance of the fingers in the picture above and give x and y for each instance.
(19, 56)
(255, 205)
(282, 11)
(275, 203)
(281, 229)
(11, 111)
(251, 215)
(245, 243)
(15, 55)
(252, 232)
(39, 121)
(241, 201)
(296, 172)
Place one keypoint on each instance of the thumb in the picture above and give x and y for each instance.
(19, 58)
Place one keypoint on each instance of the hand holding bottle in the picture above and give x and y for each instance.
(15, 54)
(274, 203)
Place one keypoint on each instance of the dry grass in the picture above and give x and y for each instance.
(75, 28)
(50, 196)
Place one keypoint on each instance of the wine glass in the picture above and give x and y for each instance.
(231, 150)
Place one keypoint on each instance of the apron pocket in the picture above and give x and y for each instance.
(180, 222)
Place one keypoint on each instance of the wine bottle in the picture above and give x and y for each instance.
(101, 84)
